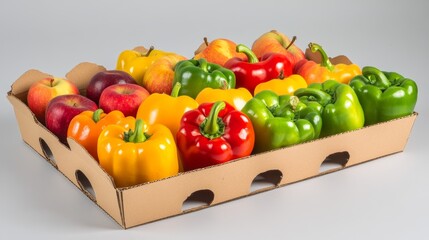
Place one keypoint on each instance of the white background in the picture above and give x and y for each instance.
(383, 199)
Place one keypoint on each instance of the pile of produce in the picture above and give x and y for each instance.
(158, 113)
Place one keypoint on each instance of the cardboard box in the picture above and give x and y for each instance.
(152, 201)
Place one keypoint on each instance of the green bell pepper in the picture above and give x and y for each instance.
(337, 103)
(281, 121)
(195, 75)
(384, 95)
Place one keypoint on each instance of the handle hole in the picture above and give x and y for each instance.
(334, 162)
(266, 180)
(47, 152)
(85, 185)
(197, 200)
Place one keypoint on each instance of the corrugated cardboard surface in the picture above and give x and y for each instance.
(152, 201)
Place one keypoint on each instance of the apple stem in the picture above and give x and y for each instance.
(149, 51)
(241, 48)
(291, 42)
(176, 89)
(96, 116)
(206, 41)
(281, 75)
(52, 82)
(136, 136)
(314, 47)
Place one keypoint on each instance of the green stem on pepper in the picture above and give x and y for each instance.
(136, 136)
(314, 47)
(203, 64)
(319, 96)
(176, 89)
(251, 57)
(96, 116)
(213, 126)
(374, 74)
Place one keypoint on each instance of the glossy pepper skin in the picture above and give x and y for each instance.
(235, 97)
(136, 63)
(313, 72)
(338, 104)
(251, 72)
(384, 95)
(166, 109)
(212, 134)
(281, 121)
(283, 86)
(85, 127)
(131, 157)
(195, 75)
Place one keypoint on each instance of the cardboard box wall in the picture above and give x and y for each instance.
(213, 185)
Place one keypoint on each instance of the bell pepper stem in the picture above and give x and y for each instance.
(136, 136)
(203, 64)
(96, 116)
(241, 48)
(176, 89)
(211, 127)
(374, 74)
(314, 47)
(318, 95)
(294, 101)
(292, 104)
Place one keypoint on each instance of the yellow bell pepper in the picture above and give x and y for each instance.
(135, 62)
(282, 86)
(166, 109)
(236, 97)
(131, 157)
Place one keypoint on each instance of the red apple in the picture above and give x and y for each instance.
(218, 51)
(123, 97)
(277, 42)
(42, 91)
(102, 80)
(160, 75)
(62, 109)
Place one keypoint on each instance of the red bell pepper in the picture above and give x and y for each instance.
(251, 72)
(212, 134)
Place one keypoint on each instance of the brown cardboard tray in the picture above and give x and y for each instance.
(152, 201)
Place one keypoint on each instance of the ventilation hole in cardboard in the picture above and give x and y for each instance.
(334, 162)
(198, 199)
(47, 152)
(85, 185)
(266, 180)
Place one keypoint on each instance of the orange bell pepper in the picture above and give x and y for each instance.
(85, 127)
(282, 86)
(236, 97)
(317, 73)
(166, 109)
(131, 157)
